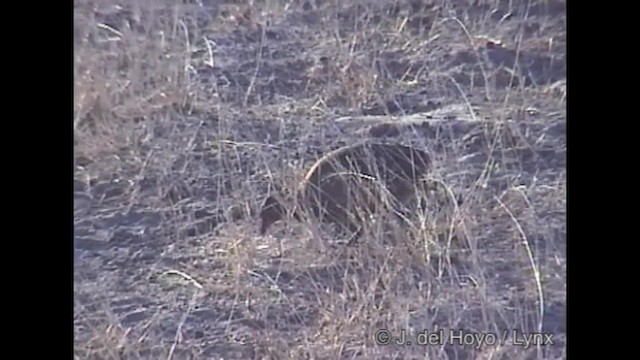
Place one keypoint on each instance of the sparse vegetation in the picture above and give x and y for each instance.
(189, 113)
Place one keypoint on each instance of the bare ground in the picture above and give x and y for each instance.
(187, 114)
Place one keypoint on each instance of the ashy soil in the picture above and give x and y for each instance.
(188, 114)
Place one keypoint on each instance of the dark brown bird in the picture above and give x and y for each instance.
(347, 184)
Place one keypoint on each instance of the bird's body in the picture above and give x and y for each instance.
(351, 182)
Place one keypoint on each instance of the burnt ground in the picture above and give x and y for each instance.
(188, 114)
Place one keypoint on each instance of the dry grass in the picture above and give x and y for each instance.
(187, 114)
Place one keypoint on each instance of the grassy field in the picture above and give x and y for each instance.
(189, 114)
